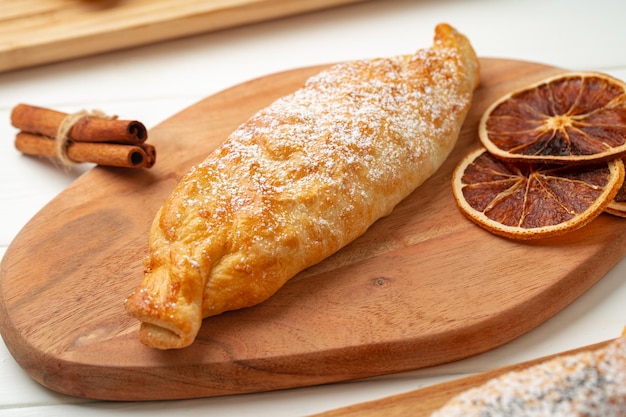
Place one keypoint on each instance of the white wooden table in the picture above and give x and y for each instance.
(152, 83)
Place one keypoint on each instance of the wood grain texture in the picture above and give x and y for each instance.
(34, 32)
(423, 402)
(422, 287)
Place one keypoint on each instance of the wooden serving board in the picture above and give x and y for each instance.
(423, 402)
(34, 32)
(423, 286)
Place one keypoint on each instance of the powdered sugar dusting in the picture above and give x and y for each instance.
(590, 384)
(367, 119)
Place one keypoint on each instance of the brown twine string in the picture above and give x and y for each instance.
(62, 138)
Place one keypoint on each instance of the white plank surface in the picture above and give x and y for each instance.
(154, 82)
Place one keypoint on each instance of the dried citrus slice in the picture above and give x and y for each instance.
(529, 201)
(572, 118)
(618, 205)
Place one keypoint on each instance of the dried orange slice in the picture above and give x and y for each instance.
(572, 118)
(529, 201)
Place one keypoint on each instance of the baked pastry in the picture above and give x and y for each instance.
(298, 181)
(589, 384)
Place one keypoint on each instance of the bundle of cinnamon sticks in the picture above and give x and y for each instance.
(97, 139)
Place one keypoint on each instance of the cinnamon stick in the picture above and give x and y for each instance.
(46, 122)
(109, 154)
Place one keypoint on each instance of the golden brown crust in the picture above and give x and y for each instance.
(298, 181)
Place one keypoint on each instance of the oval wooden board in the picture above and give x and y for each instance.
(423, 286)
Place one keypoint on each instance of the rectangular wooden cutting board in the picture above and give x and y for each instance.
(423, 286)
(34, 32)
